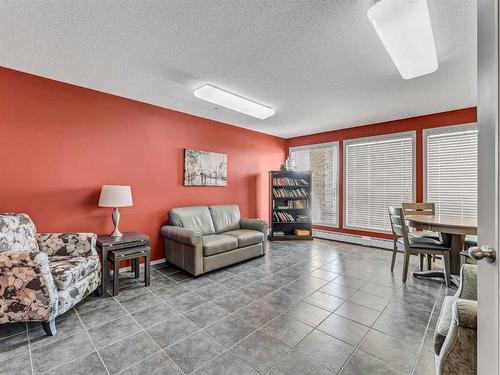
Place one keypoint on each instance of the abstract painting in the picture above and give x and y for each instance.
(204, 168)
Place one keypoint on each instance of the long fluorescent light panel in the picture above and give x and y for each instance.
(232, 101)
(404, 27)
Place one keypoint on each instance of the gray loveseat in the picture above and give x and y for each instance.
(204, 238)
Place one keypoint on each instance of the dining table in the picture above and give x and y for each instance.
(453, 229)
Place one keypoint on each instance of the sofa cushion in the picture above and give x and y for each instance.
(17, 232)
(68, 270)
(246, 237)
(443, 323)
(226, 217)
(218, 243)
(196, 218)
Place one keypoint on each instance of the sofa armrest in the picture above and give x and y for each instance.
(27, 287)
(465, 313)
(67, 244)
(182, 235)
(468, 282)
(254, 224)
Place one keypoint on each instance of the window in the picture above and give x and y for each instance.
(379, 172)
(322, 161)
(451, 169)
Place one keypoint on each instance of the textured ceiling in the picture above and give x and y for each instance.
(318, 63)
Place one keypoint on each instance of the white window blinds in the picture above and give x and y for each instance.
(378, 174)
(322, 162)
(451, 170)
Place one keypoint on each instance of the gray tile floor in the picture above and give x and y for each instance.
(312, 307)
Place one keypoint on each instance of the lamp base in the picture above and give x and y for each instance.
(116, 221)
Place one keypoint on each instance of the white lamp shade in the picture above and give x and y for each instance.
(115, 196)
(404, 27)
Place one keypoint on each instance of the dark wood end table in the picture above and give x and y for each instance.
(129, 242)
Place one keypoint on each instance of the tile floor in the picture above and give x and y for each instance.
(314, 307)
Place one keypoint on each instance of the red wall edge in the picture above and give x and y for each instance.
(417, 124)
(60, 143)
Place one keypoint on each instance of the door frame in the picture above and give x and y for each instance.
(488, 349)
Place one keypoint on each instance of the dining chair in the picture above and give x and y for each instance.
(422, 209)
(415, 245)
(418, 209)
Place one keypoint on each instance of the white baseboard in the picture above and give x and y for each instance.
(355, 239)
(158, 261)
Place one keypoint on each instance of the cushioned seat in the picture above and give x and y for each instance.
(246, 237)
(218, 243)
(443, 323)
(422, 243)
(68, 270)
(425, 234)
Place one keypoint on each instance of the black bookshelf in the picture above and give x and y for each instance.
(290, 194)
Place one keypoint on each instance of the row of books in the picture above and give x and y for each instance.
(292, 204)
(297, 232)
(290, 193)
(288, 181)
(285, 217)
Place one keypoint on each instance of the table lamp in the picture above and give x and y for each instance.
(115, 196)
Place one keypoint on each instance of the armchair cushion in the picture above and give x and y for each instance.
(226, 217)
(218, 243)
(443, 323)
(468, 282)
(67, 244)
(17, 232)
(67, 270)
(26, 287)
(246, 237)
(465, 313)
(78, 291)
(182, 235)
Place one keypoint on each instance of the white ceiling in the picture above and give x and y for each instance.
(319, 63)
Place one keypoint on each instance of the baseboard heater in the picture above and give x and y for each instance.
(354, 239)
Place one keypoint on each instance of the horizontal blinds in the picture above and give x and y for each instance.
(451, 172)
(379, 174)
(322, 162)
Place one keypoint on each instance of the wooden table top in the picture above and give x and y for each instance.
(444, 223)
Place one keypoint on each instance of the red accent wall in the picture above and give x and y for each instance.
(60, 143)
(418, 124)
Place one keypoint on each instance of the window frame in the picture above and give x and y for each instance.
(317, 146)
(440, 130)
(384, 137)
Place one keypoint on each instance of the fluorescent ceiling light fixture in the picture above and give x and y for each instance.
(232, 101)
(404, 27)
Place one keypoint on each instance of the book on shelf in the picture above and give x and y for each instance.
(289, 181)
(302, 232)
(278, 233)
(285, 217)
(301, 218)
(290, 193)
(292, 204)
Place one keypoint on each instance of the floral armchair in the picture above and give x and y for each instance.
(43, 275)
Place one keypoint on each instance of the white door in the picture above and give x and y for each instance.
(489, 172)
